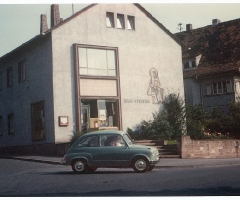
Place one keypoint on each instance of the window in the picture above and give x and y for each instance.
(112, 140)
(189, 64)
(11, 124)
(99, 114)
(1, 125)
(186, 65)
(38, 121)
(21, 72)
(222, 87)
(131, 22)
(97, 62)
(110, 19)
(91, 141)
(120, 21)
(0, 80)
(10, 77)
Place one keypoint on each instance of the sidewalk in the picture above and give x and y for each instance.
(164, 162)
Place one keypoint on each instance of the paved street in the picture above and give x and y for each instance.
(24, 178)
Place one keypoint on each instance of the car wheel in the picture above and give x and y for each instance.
(79, 166)
(150, 168)
(140, 165)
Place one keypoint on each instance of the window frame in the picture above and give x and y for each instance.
(11, 124)
(131, 22)
(110, 22)
(21, 71)
(120, 21)
(219, 87)
(1, 125)
(10, 77)
(88, 68)
(0, 80)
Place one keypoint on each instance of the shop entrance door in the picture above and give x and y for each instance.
(85, 117)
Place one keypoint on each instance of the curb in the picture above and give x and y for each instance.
(34, 160)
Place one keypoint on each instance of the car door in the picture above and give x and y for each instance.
(89, 148)
(112, 155)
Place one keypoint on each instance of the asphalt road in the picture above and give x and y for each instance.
(22, 178)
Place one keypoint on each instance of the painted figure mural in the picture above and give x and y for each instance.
(154, 88)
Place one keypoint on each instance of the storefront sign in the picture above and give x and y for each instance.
(136, 101)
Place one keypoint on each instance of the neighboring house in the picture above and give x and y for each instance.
(211, 65)
(108, 66)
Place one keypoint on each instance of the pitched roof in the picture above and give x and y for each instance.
(78, 13)
(219, 46)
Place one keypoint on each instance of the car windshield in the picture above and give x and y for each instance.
(128, 139)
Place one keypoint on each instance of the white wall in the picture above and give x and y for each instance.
(148, 46)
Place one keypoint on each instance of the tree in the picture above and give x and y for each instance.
(174, 110)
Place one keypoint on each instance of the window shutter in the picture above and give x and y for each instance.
(208, 88)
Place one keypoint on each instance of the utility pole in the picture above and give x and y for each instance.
(180, 25)
(72, 9)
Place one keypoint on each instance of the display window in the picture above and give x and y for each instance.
(99, 114)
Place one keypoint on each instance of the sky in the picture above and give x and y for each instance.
(20, 22)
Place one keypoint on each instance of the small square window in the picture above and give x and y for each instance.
(110, 19)
(120, 21)
(131, 22)
(10, 77)
(21, 71)
(10, 124)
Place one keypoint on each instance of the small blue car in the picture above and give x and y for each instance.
(109, 149)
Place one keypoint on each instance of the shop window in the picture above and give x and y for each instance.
(11, 124)
(38, 121)
(110, 19)
(97, 62)
(120, 21)
(1, 125)
(99, 114)
(21, 71)
(131, 22)
(10, 77)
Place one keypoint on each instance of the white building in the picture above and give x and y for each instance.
(106, 66)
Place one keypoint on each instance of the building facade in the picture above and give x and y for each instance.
(108, 66)
(211, 64)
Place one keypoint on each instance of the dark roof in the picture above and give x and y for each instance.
(78, 13)
(219, 46)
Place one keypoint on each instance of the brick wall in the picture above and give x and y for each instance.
(208, 148)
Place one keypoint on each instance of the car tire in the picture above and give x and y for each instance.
(79, 166)
(150, 168)
(140, 165)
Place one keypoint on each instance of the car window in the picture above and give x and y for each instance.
(91, 141)
(112, 140)
(128, 139)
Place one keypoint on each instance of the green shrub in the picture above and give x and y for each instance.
(76, 135)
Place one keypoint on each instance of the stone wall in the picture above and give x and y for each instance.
(208, 148)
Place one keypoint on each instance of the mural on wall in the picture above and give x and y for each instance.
(154, 88)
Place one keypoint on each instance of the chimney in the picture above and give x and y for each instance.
(216, 22)
(43, 23)
(55, 15)
(188, 27)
